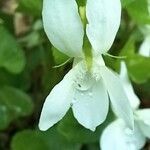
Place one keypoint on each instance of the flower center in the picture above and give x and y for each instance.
(83, 80)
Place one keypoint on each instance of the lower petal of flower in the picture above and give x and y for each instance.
(90, 107)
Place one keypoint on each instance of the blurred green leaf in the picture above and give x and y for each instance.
(129, 47)
(31, 7)
(28, 140)
(81, 2)
(13, 104)
(11, 55)
(139, 68)
(6, 20)
(74, 132)
(21, 81)
(59, 57)
(138, 65)
(36, 140)
(126, 2)
(94, 146)
(139, 12)
(35, 58)
(31, 40)
(5, 116)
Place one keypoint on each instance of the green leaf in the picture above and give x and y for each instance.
(138, 10)
(32, 39)
(11, 55)
(74, 132)
(31, 7)
(81, 2)
(13, 104)
(21, 81)
(93, 146)
(36, 140)
(6, 20)
(28, 140)
(5, 116)
(129, 47)
(59, 57)
(139, 68)
(126, 2)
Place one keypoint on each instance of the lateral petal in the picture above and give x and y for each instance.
(118, 98)
(132, 97)
(57, 103)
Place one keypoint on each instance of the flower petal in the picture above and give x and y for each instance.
(133, 99)
(117, 95)
(145, 47)
(143, 117)
(57, 103)
(63, 26)
(117, 137)
(104, 20)
(90, 107)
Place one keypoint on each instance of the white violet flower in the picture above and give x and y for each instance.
(86, 91)
(117, 135)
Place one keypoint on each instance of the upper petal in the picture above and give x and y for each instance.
(117, 95)
(132, 97)
(63, 26)
(143, 117)
(117, 136)
(90, 107)
(57, 103)
(103, 23)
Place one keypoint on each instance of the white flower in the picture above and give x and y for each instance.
(117, 135)
(86, 91)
